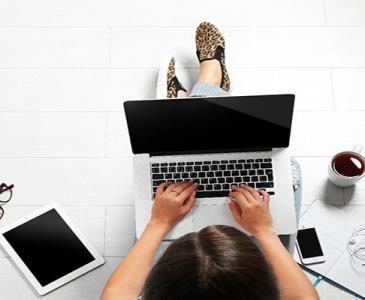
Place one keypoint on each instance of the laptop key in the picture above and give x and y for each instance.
(250, 160)
(230, 167)
(217, 187)
(155, 165)
(224, 161)
(229, 179)
(155, 170)
(164, 170)
(157, 176)
(177, 176)
(207, 162)
(172, 169)
(226, 173)
(271, 193)
(181, 163)
(197, 168)
(180, 169)
(205, 168)
(188, 168)
(247, 166)
(210, 194)
(218, 174)
(235, 173)
(267, 159)
(239, 166)
(190, 163)
(243, 172)
(258, 160)
(204, 181)
(209, 187)
(172, 164)
(251, 172)
(222, 167)
(163, 164)
(225, 186)
(185, 175)
(266, 165)
(251, 184)
(270, 177)
(221, 180)
(264, 185)
(214, 167)
(168, 176)
(198, 163)
(210, 174)
(256, 166)
(246, 178)
(193, 174)
(242, 161)
(238, 179)
(233, 161)
(254, 178)
(200, 188)
(201, 174)
(212, 180)
(215, 162)
(260, 172)
(262, 178)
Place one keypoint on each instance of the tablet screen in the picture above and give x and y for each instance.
(48, 247)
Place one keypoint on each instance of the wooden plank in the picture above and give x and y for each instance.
(87, 287)
(75, 181)
(157, 13)
(52, 134)
(246, 47)
(54, 47)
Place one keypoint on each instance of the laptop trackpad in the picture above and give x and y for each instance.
(205, 215)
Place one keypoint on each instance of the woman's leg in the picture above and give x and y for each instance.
(207, 84)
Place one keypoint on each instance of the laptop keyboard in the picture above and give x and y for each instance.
(216, 177)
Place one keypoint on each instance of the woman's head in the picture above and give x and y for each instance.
(218, 262)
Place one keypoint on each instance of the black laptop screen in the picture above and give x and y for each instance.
(204, 125)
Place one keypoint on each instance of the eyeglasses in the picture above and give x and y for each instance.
(6, 192)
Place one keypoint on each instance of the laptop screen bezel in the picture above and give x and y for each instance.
(290, 97)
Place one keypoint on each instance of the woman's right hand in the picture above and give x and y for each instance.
(250, 208)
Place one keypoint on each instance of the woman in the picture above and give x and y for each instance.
(218, 262)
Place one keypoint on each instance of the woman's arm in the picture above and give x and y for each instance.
(172, 203)
(252, 213)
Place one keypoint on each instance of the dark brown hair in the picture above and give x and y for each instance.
(218, 262)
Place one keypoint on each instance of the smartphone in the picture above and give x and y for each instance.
(309, 247)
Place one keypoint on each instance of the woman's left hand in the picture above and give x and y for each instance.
(172, 202)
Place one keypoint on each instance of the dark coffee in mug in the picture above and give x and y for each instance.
(348, 164)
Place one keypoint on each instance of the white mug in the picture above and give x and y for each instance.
(343, 180)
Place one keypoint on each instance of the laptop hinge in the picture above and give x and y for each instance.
(260, 149)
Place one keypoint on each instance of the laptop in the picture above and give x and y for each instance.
(217, 142)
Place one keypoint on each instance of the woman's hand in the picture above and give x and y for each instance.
(249, 209)
(172, 202)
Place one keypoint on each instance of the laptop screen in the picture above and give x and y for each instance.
(208, 125)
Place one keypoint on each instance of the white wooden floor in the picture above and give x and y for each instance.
(66, 68)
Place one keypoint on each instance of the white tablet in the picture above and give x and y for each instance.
(48, 248)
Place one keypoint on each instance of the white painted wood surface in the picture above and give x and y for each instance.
(66, 69)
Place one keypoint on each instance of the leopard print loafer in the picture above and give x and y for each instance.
(173, 84)
(167, 85)
(210, 45)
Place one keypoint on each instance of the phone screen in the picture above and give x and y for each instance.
(309, 243)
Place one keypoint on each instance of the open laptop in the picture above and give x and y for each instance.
(216, 142)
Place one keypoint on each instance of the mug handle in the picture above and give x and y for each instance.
(357, 148)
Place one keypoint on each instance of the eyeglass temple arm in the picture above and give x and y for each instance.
(4, 187)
